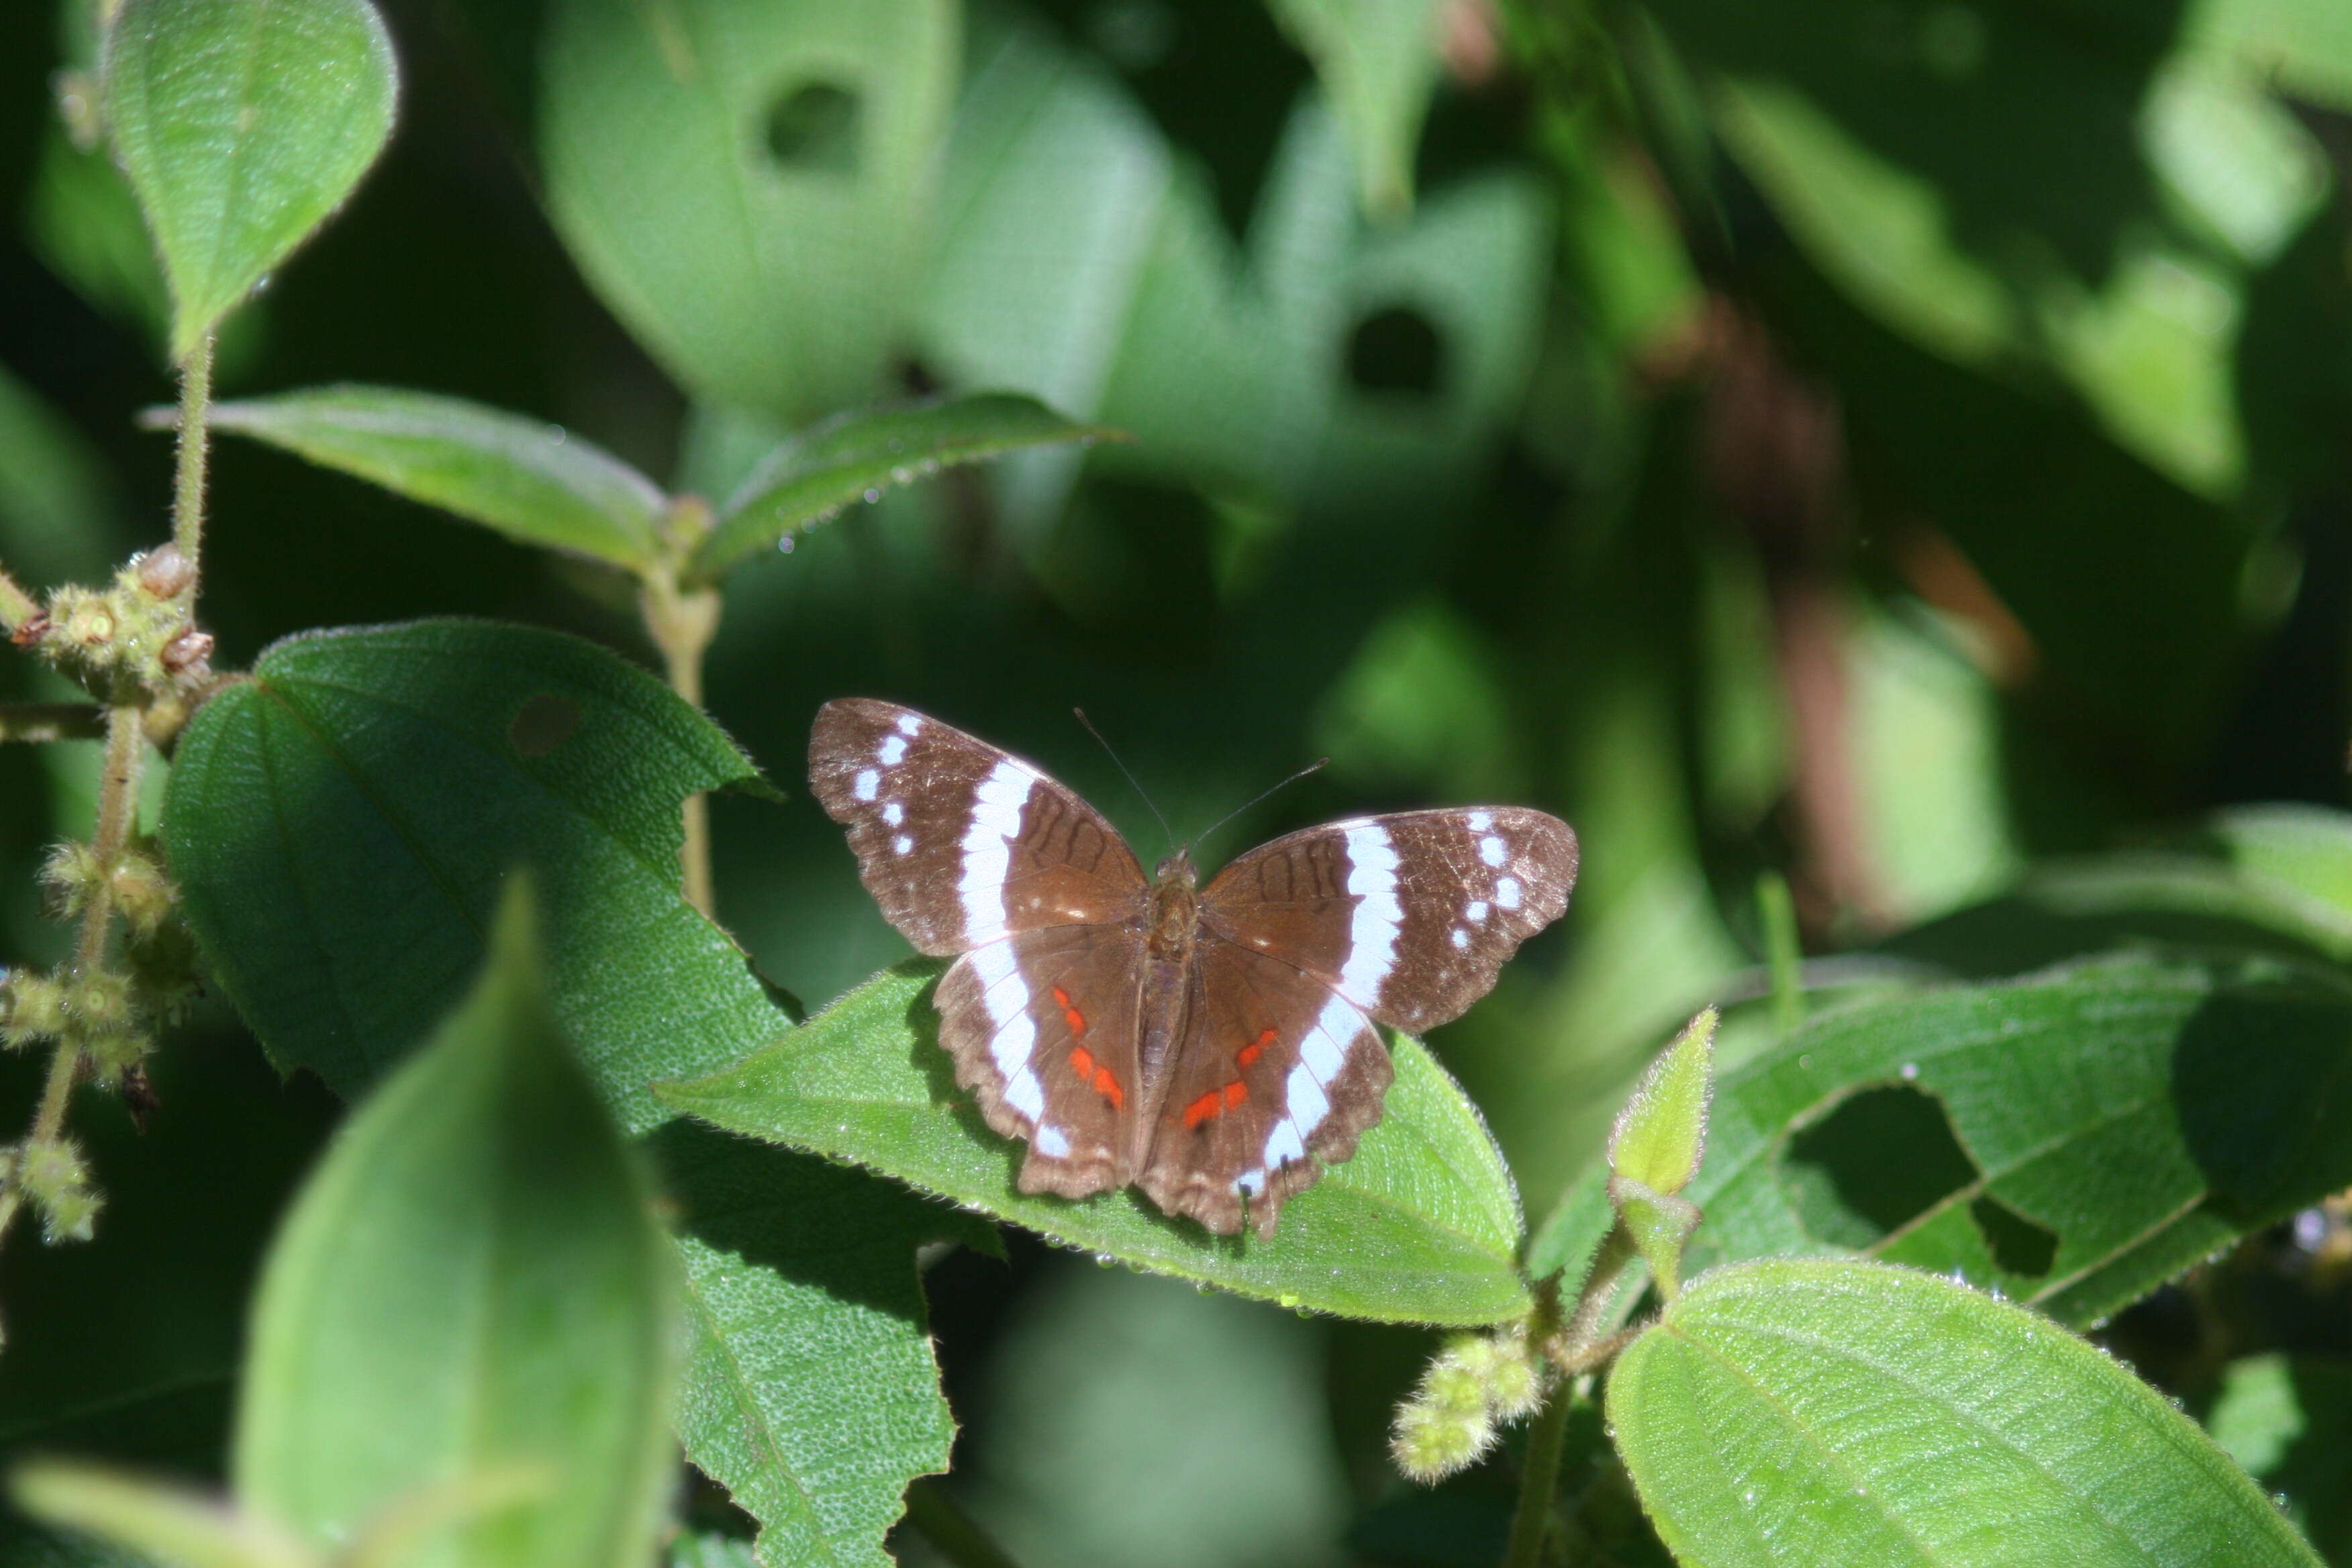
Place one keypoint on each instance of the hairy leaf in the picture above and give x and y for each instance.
(243, 124)
(1422, 1225)
(1846, 1413)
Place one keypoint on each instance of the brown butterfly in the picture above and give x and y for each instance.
(1212, 1045)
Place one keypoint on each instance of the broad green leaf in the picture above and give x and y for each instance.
(1567, 1241)
(810, 1391)
(1800, 1413)
(712, 1552)
(1422, 1225)
(2073, 1140)
(2298, 855)
(466, 1329)
(1378, 59)
(532, 482)
(244, 123)
(2288, 1420)
(340, 823)
(162, 1523)
(811, 478)
(745, 181)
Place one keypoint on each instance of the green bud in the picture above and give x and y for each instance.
(69, 1215)
(32, 1008)
(1430, 1444)
(68, 874)
(97, 1003)
(1516, 1385)
(141, 892)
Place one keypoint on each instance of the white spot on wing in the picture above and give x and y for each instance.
(1507, 893)
(1372, 928)
(1005, 996)
(1461, 936)
(1052, 1142)
(1493, 850)
(894, 814)
(996, 808)
(1480, 821)
(1285, 1144)
(1476, 911)
(904, 843)
(893, 751)
(868, 784)
(910, 724)
(1250, 1183)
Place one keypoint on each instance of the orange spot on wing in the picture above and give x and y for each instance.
(1209, 1104)
(1235, 1092)
(1082, 1062)
(1108, 1086)
(1061, 997)
(1071, 1017)
(1249, 1053)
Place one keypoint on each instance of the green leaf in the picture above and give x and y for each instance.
(466, 1329)
(745, 184)
(811, 1394)
(2073, 1140)
(811, 478)
(1663, 1128)
(1845, 1413)
(1378, 59)
(340, 823)
(1422, 1225)
(2288, 1420)
(166, 1523)
(534, 483)
(244, 123)
(1569, 1239)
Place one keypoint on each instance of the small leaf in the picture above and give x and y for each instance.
(2073, 1140)
(469, 1293)
(2288, 1420)
(534, 483)
(1378, 59)
(244, 123)
(747, 184)
(809, 478)
(165, 1524)
(1422, 1225)
(1663, 1128)
(809, 1394)
(1567, 1241)
(340, 823)
(1659, 1223)
(1850, 1413)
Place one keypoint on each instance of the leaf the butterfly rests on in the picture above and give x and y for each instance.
(1214, 1045)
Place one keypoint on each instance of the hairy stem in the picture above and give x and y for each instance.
(188, 480)
(1539, 1478)
(951, 1532)
(682, 621)
(52, 722)
(118, 805)
(16, 607)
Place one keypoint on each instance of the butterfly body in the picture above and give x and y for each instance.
(1213, 1046)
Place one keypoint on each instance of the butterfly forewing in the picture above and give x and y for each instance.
(1409, 917)
(1275, 1068)
(959, 842)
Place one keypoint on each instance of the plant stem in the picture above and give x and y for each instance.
(52, 722)
(1539, 1477)
(682, 621)
(952, 1532)
(188, 480)
(117, 804)
(1784, 951)
(16, 607)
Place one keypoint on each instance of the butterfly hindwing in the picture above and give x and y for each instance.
(1409, 917)
(1276, 1072)
(959, 842)
(1042, 1025)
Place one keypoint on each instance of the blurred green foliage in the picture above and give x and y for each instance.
(1904, 446)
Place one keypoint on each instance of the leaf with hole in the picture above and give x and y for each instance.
(1422, 1225)
(811, 478)
(466, 1328)
(340, 824)
(1850, 1413)
(2073, 1140)
(745, 184)
(534, 483)
(244, 123)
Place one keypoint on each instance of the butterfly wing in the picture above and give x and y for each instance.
(1042, 1025)
(1409, 917)
(959, 843)
(1275, 1067)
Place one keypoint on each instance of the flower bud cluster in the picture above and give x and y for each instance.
(54, 1178)
(138, 632)
(1477, 1382)
(96, 1012)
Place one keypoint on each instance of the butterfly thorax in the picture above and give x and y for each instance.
(1175, 909)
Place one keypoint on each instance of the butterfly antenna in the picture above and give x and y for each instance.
(1165, 830)
(1318, 764)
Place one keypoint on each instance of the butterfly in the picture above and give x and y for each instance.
(1213, 1046)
